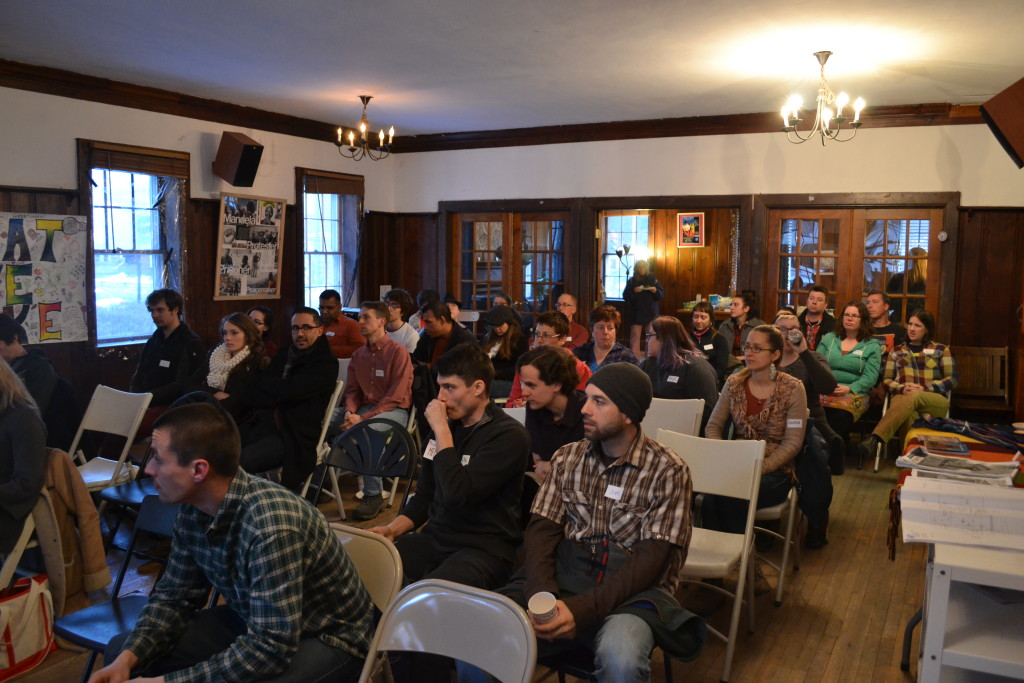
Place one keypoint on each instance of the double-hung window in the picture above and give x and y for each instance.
(624, 241)
(332, 204)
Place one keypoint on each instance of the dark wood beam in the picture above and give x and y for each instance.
(78, 86)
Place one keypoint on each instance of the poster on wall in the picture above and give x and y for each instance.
(249, 248)
(690, 229)
(43, 275)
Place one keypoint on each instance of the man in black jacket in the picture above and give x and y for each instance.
(440, 333)
(292, 394)
(470, 484)
(171, 355)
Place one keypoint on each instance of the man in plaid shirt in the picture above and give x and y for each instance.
(295, 608)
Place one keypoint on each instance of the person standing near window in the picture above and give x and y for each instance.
(642, 294)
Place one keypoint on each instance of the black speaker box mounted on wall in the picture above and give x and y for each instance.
(1004, 114)
(238, 158)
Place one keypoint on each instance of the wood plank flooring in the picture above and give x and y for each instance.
(842, 616)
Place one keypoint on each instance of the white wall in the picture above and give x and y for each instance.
(936, 159)
(37, 147)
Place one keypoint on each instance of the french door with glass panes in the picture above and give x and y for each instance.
(851, 252)
(522, 254)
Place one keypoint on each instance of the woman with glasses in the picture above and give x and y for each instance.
(504, 343)
(400, 307)
(676, 368)
(22, 456)
(919, 376)
(232, 368)
(855, 357)
(263, 318)
(764, 405)
(602, 347)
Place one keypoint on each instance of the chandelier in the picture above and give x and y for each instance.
(355, 144)
(828, 124)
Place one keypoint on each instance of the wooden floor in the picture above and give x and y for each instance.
(842, 617)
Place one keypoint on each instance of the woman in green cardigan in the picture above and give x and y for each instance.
(855, 358)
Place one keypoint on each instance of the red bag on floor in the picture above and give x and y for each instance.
(26, 626)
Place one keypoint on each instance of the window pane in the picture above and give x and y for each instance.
(787, 272)
(122, 283)
(830, 236)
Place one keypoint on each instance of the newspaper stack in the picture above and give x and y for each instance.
(952, 468)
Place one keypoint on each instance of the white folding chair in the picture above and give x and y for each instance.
(518, 413)
(343, 369)
(112, 412)
(786, 510)
(377, 562)
(468, 624)
(323, 447)
(723, 468)
(677, 415)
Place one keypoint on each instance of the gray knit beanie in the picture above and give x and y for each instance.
(628, 387)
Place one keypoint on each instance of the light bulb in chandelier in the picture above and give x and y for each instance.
(829, 124)
(365, 145)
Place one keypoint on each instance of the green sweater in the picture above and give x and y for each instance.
(857, 369)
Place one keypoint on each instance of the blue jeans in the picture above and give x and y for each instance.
(622, 652)
(372, 486)
(212, 631)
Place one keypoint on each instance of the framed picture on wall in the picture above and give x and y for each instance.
(249, 240)
(689, 229)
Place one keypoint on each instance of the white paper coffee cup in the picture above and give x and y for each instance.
(542, 607)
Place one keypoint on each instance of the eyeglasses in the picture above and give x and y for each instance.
(393, 304)
(852, 316)
(747, 346)
(304, 328)
(545, 336)
(565, 305)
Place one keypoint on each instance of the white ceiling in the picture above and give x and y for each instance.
(460, 65)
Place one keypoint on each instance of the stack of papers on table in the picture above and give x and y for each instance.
(936, 511)
(930, 465)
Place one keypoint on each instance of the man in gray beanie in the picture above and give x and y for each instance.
(610, 527)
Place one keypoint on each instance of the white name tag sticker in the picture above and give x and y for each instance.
(859, 352)
(709, 347)
(794, 424)
(465, 459)
(674, 379)
(431, 450)
(329, 334)
(928, 352)
(165, 363)
(614, 492)
(568, 339)
(379, 373)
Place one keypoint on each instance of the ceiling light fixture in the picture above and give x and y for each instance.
(828, 124)
(355, 144)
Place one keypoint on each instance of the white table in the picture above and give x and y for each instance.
(974, 615)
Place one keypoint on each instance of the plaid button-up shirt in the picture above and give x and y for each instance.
(278, 566)
(643, 495)
(933, 369)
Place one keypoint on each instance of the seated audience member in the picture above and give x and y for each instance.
(578, 509)
(578, 335)
(677, 370)
(232, 369)
(455, 306)
(811, 368)
(741, 322)
(641, 294)
(815, 319)
(295, 606)
(470, 483)
(379, 384)
(919, 375)
(292, 394)
(425, 299)
(170, 357)
(891, 334)
(440, 333)
(400, 307)
(503, 298)
(552, 328)
(341, 331)
(31, 366)
(504, 343)
(603, 349)
(22, 456)
(707, 339)
(548, 378)
(263, 317)
(764, 405)
(854, 356)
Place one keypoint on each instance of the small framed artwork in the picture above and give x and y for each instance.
(249, 248)
(690, 229)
